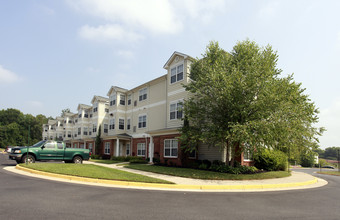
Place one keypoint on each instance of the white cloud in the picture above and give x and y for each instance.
(269, 10)
(46, 10)
(126, 54)
(7, 76)
(338, 40)
(147, 16)
(202, 10)
(107, 32)
(330, 119)
(34, 104)
(154, 15)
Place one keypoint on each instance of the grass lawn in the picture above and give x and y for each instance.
(334, 173)
(92, 171)
(105, 161)
(209, 175)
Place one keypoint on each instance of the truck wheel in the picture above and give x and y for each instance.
(77, 159)
(29, 158)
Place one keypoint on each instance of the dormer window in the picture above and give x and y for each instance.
(177, 74)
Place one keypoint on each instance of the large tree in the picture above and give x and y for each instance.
(239, 99)
(14, 128)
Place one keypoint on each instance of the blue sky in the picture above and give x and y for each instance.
(55, 54)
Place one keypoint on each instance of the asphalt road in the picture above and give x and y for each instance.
(23, 197)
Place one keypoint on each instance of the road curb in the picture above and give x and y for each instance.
(255, 187)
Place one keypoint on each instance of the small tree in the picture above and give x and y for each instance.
(98, 141)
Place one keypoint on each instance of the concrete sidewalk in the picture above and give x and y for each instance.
(297, 180)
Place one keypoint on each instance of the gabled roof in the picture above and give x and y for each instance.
(185, 56)
(116, 89)
(99, 99)
(83, 106)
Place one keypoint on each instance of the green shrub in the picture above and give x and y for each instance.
(270, 160)
(93, 156)
(156, 160)
(203, 166)
(138, 160)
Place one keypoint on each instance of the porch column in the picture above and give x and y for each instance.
(151, 149)
(117, 147)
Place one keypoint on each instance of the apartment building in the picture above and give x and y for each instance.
(142, 121)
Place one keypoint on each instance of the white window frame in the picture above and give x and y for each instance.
(178, 104)
(171, 147)
(174, 72)
(107, 148)
(128, 123)
(112, 124)
(247, 152)
(139, 121)
(122, 99)
(143, 94)
(140, 148)
(119, 123)
(113, 99)
(129, 99)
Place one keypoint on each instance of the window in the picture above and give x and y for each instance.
(60, 145)
(86, 115)
(85, 130)
(247, 153)
(129, 99)
(112, 124)
(143, 94)
(79, 131)
(106, 128)
(76, 121)
(141, 149)
(50, 145)
(142, 121)
(94, 128)
(113, 99)
(176, 110)
(128, 124)
(176, 74)
(107, 148)
(95, 107)
(69, 134)
(170, 148)
(122, 99)
(192, 154)
(127, 149)
(106, 110)
(121, 124)
(90, 147)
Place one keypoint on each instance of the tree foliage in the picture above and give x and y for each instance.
(98, 141)
(330, 153)
(240, 97)
(14, 128)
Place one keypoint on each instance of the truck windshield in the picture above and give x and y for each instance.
(39, 144)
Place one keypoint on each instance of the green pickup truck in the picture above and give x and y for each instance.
(49, 150)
